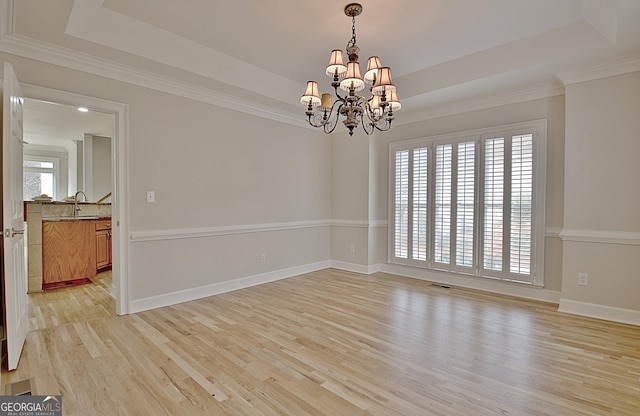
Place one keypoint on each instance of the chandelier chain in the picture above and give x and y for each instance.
(352, 42)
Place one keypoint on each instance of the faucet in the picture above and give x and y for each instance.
(76, 208)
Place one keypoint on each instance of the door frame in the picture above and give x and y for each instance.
(120, 164)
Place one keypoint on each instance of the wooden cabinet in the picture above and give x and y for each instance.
(68, 251)
(74, 250)
(103, 243)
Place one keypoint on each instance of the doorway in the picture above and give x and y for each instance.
(116, 114)
(67, 152)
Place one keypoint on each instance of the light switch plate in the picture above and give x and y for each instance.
(583, 279)
(151, 196)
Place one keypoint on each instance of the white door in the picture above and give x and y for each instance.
(15, 279)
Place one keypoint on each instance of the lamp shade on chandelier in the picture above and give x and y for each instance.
(375, 112)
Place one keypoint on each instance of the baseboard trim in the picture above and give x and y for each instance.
(353, 267)
(573, 307)
(153, 302)
(501, 288)
(592, 310)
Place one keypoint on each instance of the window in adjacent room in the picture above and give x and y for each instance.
(471, 202)
(39, 176)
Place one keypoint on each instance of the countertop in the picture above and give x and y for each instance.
(78, 218)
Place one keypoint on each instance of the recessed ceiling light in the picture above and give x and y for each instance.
(83, 109)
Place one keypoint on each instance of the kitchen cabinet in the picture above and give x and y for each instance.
(68, 252)
(103, 243)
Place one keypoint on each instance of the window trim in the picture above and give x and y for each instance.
(539, 130)
(55, 169)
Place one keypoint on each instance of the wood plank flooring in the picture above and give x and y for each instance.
(71, 304)
(339, 343)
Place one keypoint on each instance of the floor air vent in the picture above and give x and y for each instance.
(21, 388)
(441, 286)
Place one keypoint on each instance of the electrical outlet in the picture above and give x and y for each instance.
(352, 249)
(583, 278)
(263, 257)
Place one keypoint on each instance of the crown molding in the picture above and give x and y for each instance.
(617, 66)
(496, 99)
(24, 47)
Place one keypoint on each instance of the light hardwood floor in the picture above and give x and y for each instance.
(71, 304)
(339, 343)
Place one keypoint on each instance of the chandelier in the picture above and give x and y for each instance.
(372, 113)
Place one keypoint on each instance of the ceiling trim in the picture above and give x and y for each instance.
(92, 22)
(19, 45)
(29, 48)
(618, 66)
(497, 99)
(15, 44)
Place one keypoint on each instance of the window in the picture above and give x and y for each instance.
(39, 176)
(472, 202)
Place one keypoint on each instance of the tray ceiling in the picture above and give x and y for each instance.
(257, 56)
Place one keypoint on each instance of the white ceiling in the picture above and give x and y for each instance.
(257, 55)
(56, 125)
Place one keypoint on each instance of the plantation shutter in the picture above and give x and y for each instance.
(521, 204)
(442, 222)
(420, 200)
(493, 203)
(471, 202)
(465, 204)
(401, 205)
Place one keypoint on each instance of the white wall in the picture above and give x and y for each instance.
(231, 186)
(360, 170)
(98, 164)
(602, 199)
(350, 201)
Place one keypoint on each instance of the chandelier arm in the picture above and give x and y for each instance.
(329, 127)
(370, 115)
(340, 97)
(366, 123)
(318, 118)
(386, 126)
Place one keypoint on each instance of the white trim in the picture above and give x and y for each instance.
(598, 236)
(55, 160)
(22, 46)
(617, 66)
(91, 21)
(356, 268)
(489, 100)
(552, 232)
(501, 287)
(186, 295)
(359, 224)
(350, 223)
(538, 128)
(378, 224)
(592, 310)
(119, 201)
(176, 234)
